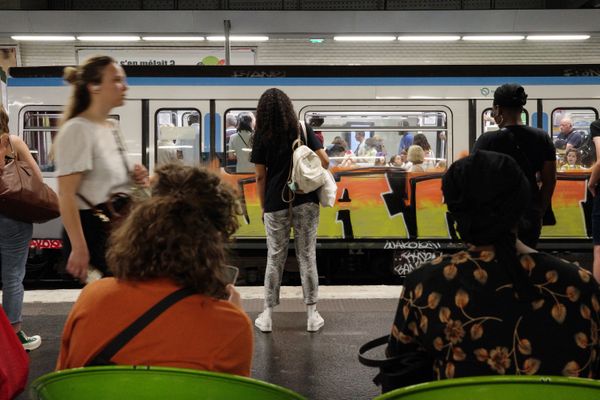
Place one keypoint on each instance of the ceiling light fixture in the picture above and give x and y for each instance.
(43, 38)
(173, 38)
(436, 38)
(238, 38)
(108, 38)
(364, 38)
(557, 37)
(493, 38)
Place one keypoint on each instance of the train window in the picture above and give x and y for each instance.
(239, 128)
(373, 138)
(177, 136)
(571, 130)
(488, 123)
(39, 127)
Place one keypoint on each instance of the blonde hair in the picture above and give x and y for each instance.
(90, 72)
(416, 155)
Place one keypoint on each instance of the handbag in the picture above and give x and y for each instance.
(23, 195)
(327, 193)
(395, 372)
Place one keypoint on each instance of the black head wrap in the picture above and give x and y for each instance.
(486, 194)
(510, 95)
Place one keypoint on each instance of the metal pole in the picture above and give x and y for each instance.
(227, 26)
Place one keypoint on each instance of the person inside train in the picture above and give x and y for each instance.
(14, 239)
(568, 137)
(91, 161)
(416, 157)
(336, 155)
(231, 121)
(429, 158)
(277, 127)
(316, 122)
(500, 307)
(153, 254)
(533, 150)
(401, 160)
(593, 181)
(571, 160)
(361, 146)
(407, 137)
(240, 143)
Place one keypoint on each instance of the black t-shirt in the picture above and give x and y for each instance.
(277, 161)
(530, 147)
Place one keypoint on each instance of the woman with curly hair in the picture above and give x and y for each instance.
(277, 127)
(171, 241)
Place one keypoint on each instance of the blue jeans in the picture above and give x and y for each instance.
(14, 248)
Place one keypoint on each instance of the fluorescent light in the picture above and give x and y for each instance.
(493, 38)
(364, 38)
(108, 38)
(43, 38)
(437, 38)
(558, 37)
(238, 38)
(173, 38)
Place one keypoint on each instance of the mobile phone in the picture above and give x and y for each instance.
(230, 274)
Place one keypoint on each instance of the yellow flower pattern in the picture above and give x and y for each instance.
(463, 310)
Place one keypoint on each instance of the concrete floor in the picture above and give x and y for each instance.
(322, 365)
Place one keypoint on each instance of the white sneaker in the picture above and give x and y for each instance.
(264, 322)
(315, 322)
(29, 342)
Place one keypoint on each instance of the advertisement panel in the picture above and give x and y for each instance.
(170, 56)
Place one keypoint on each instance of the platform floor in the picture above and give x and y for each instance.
(322, 365)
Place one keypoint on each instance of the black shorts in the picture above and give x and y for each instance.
(96, 237)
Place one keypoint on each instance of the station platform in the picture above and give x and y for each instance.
(321, 365)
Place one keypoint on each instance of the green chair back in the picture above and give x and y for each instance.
(500, 388)
(130, 382)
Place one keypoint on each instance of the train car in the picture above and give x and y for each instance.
(385, 220)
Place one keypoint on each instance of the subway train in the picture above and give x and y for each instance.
(385, 220)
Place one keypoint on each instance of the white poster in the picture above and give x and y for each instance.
(170, 56)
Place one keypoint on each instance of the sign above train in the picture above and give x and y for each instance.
(136, 56)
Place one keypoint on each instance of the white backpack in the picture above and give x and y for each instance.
(306, 172)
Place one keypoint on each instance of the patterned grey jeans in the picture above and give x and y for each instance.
(305, 221)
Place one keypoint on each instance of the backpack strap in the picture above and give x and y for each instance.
(108, 352)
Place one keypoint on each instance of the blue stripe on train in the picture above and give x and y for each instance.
(420, 81)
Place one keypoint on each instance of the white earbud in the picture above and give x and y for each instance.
(96, 88)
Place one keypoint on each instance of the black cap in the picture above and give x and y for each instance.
(510, 95)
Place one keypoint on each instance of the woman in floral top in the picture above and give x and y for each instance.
(501, 307)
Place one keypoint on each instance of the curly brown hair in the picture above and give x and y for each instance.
(276, 121)
(178, 233)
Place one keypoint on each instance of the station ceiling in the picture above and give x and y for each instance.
(295, 5)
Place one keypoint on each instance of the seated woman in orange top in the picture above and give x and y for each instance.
(173, 240)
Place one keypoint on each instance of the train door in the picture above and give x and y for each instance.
(177, 132)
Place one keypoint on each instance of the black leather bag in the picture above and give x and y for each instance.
(395, 372)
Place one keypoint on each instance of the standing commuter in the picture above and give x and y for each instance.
(240, 143)
(593, 187)
(14, 239)
(531, 148)
(90, 161)
(277, 127)
(568, 138)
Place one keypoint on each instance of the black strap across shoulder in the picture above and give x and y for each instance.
(108, 352)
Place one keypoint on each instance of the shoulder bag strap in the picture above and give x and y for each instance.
(14, 155)
(107, 353)
(121, 147)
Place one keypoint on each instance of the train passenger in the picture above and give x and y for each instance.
(407, 137)
(401, 160)
(230, 126)
(500, 307)
(593, 188)
(568, 137)
(14, 239)
(316, 122)
(571, 160)
(361, 146)
(335, 154)
(240, 143)
(277, 127)
(416, 157)
(91, 161)
(429, 158)
(176, 239)
(533, 150)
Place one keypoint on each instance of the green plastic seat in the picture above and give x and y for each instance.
(131, 382)
(501, 388)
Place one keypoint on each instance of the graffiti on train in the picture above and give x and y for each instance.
(407, 261)
(402, 207)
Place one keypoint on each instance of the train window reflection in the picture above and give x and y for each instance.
(239, 130)
(177, 136)
(571, 136)
(38, 128)
(383, 138)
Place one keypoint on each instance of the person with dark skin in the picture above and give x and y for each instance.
(533, 150)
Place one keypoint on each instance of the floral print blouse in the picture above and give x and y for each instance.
(463, 311)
